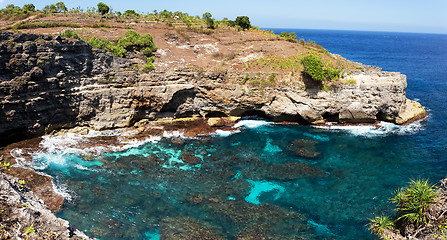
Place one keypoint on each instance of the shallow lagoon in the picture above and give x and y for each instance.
(135, 193)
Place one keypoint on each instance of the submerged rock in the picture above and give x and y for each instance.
(263, 221)
(306, 148)
(283, 172)
(186, 228)
(191, 160)
(196, 199)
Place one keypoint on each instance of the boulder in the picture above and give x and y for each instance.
(411, 111)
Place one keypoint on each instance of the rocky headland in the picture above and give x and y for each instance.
(49, 83)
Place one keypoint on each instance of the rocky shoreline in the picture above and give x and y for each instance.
(24, 215)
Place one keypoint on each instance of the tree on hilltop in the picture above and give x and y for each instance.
(103, 8)
(50, 8)
(209, 20)
(243, 22)
(131, 13)
(29, 8)
(60, 7)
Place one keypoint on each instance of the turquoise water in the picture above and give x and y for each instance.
(255, 180)
(128, 194)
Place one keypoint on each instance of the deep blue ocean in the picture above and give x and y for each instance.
(256, 180)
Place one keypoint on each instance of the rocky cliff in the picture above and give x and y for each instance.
(50, 82)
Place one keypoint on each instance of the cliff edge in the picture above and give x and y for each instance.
(49, 82)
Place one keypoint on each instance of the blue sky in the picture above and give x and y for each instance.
(429, 16)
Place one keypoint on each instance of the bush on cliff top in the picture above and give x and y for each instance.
(133, 42)
(69, 34)
(136, 42)
(33, 25)
(291, 37)
(315, 68)
(16, 13)
(107, 46)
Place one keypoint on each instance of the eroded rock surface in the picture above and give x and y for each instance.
(20, 210)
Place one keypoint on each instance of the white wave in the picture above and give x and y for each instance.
(17, 154)
(80, 167)
(42, 160)
(133, 143)
(63, 190)
(380, 129)
(225, 133)
(252, 123)
(173, 134)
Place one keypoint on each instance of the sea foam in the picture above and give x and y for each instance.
(380, 129)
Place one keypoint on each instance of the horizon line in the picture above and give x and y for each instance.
(352, 30)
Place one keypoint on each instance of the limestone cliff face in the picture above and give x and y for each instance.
(50, 82)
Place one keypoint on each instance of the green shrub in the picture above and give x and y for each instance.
(332, 74)
(30, 25)
(165, 14)
(378, 224)
(131, 13)
(243, 22)
(148, 67)
(132, 42)
(272, 77)
(136, 42)
(414, 200)
(289, 36)
(314, 67)
(209, 20)
(107, 46)
(69, 34)
(103, 8)
(187, 21)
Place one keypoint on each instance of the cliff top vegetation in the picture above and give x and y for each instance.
(200, 43)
